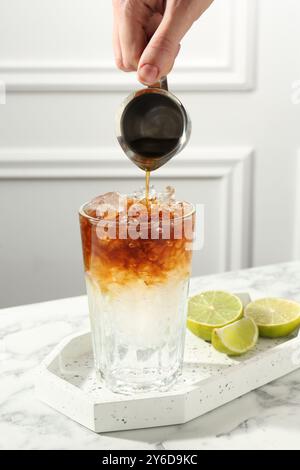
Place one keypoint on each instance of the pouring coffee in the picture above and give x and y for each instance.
(152, 126)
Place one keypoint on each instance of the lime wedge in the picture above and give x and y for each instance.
(212, 309)
(237, 338)
(274, 317)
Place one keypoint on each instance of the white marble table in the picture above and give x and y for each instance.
(268, 418)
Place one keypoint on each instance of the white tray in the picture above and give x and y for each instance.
(66, 381)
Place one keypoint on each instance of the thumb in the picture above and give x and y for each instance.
(158, 57)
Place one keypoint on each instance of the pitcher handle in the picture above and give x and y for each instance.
(163, 84)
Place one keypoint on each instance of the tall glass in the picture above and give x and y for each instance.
(137, 269)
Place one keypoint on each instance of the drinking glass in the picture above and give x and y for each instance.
(137, 278)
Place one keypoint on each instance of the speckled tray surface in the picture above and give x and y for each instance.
(67, 381)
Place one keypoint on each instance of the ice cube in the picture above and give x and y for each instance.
(169, 195)
(140, 194)
(114, 199)
(152, 192)
(138, 210)
(108, 204)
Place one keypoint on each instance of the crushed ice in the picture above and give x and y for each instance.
(167, 196)
(113, 204)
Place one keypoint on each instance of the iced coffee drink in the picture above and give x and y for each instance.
(137, 258)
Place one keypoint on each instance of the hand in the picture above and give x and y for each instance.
(147, 34)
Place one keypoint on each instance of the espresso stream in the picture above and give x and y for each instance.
(152, 148)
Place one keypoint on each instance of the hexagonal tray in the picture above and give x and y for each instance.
(66, 381)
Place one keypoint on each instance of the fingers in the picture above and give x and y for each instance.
(133, 40)
(117, 47)
(164, 22)
(152, 24)
(116, 39)
(130, 37)
(123, 59)
(159, 56)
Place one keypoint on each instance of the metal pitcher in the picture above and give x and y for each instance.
(152, 126)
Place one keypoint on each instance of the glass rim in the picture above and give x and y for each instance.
(92, 219)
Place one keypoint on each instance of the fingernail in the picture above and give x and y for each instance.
(148, 73)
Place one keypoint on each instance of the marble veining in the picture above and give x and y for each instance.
(268, 418)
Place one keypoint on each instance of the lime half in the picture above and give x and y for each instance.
(237, 338)
(212, 309)
(274, 317)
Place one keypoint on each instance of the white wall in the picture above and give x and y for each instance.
(58, 149)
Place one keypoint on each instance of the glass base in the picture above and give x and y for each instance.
(138, 334)
(130, 382)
